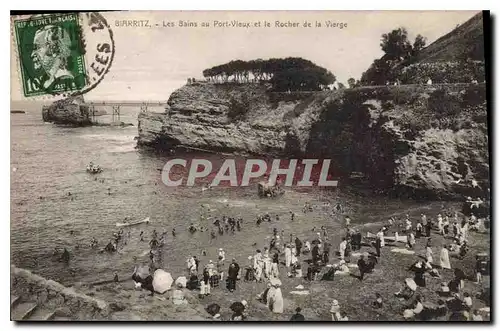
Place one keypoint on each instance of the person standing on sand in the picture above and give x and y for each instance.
(408, 225)
(440, 224)
(315, 253)
(381, 235)
(288, 256)
(326, 251)
(275, 297)
(191, 265)
(274, 273)
(325, 231)
(456, 231)
(410, 239)
(267, 262)
(298, 246)
(222, 254)
(196, 263)
(361, 267)
(418, 230)
(464, 229)
(428, 229)
(318, 239)
(205, 283)
(423, 219)
(378, 245)
(258, 265)
(293, 262)
(220, 269)
(428, 254)
(232, 276)
(347, 221)
(342, 248)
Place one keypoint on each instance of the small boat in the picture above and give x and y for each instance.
(398, 238)
(94, 169)
(146, 220)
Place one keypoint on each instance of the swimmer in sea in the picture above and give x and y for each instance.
(65, 256)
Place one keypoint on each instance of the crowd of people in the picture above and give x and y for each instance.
(311, 258)
(291, 253)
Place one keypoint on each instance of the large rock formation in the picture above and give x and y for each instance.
(205, 113)
(428, 141)
(50, 294)
(70, 111)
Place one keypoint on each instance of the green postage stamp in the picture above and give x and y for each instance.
(51, 54)
(62, 54)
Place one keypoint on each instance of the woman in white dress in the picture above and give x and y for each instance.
(267, 264)
(440, 224)
(444, 258)
(288, 256)
(258, 265)
(275, 297)
(428, 254)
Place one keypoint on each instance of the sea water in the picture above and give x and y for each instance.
(56, 204)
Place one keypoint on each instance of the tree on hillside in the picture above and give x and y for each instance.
(396, 45)
(418, 44)
(398, 52)
(378, 73)
(352, 82)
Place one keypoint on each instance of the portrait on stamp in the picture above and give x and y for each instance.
(51, 55)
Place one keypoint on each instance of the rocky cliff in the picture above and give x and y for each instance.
(71, 111)
(427, 141)
(48, 295)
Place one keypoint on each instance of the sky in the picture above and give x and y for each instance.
(151, 62)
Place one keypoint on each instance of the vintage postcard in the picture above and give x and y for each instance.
(250, 166)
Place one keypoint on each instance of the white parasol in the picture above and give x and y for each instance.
(411, 284)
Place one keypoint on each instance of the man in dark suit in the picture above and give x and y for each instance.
(315, 254)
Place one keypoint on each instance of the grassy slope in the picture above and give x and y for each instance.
(456, 42)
